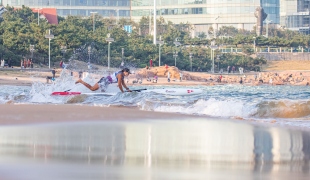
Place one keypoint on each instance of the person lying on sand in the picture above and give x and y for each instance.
(103, 83)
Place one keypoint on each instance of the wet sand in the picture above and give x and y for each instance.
(12, 114)
(67, 142)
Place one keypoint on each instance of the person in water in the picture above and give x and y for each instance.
(103, 83)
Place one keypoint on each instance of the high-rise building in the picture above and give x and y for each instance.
(295, 15)
(106, 8)
(206, 13)
(272, 8)
(202, 14)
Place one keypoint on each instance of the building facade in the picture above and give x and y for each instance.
(106, 8)
(204, 14)
(295, 15)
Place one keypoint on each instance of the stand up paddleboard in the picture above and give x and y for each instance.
(80, 93)
(166, 91)
(176, 91)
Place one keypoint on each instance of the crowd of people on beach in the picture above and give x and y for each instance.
(26, 63)
(173, 74)
(3, 64)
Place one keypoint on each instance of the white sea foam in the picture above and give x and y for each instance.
(212, 107)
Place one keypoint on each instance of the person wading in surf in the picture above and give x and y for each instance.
(103, 83)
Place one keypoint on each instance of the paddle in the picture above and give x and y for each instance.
(135, 90)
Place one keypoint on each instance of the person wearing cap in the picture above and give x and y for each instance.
(103, 83)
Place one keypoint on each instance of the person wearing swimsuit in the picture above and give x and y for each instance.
(103, 83)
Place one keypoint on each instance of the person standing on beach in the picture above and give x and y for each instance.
(181, 75)
(31, 63)
(151, 63)
(240, 70)
(228, 69)
(21, 63)
(240, 80)
(28, 63)
(103, 83)
(2, 63)
(168, 76)
(220, 78)
(233, 69)
(53, 72)
(25, 63)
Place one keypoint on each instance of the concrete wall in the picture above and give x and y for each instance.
(285, 56)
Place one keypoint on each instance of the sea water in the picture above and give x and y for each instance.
(285, 105)
(193, 148)
(215, 143)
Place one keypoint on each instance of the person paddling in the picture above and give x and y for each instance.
(103, 83)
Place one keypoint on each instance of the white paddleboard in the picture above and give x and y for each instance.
(166, 91)
(176, 91)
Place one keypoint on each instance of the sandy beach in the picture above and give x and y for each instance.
(153, 136)
(34, 114)
(275, 73)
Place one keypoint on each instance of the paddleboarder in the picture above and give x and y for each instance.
(103, 83)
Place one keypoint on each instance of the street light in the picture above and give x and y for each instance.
(93, 13)
(190, 58)
(155, 24)
(216, 25)
(38, 15)
(63, 50)
(109, 40)
(89, 52)
(254, 44)
(213, 47)
(117, 15)
(175, 55)
(50, 37)
(176, 43)
(267, 22)
(31, 47)
(122, 54)
(160, 42)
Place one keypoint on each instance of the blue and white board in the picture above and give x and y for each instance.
(176, 91)
(166, 91)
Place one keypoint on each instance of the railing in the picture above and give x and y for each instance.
(266, 50)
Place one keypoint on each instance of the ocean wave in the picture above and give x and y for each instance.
(287, 109)
(283, 109)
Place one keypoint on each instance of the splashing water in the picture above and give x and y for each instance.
(283, 103)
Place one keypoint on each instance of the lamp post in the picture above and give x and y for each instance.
(267, 22)
(155, 24)
(89, 52)
(122, 54)
(175, 55)
(254, 44)
(63, 50)
(50, 37)
(215, 26)
(191, 61)
(38, 15)
(160, 42)
(176, 43)
(109, 40)
(93, 13)
(31, 47)
(213, 47)
(117, 16)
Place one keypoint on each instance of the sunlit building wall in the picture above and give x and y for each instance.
(295, 15)
(106, 8)
(206, 13)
